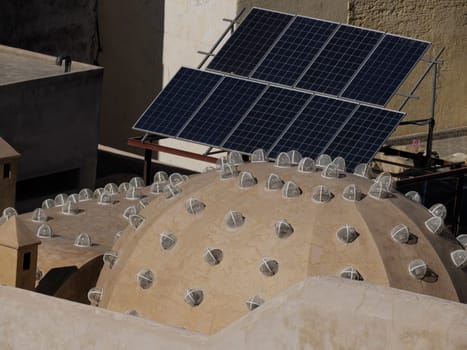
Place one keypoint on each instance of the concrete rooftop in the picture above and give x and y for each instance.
(17, 65)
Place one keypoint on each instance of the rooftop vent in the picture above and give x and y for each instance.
(295, 157)
(273, 183)
(73, 197)
(254, 302)
(378, 191)
(291, 190)
(229, 171)
(330, 171)
(306, 165)
(131, 210)
(387, 181)
(117, 236)
(235, 158)
(111, 188)
(258, 156)
(137, 182)
(168, 240)
(418, 269)
(110, 258)
(136, 221)
(351, 273)
(194, 206)
(97, 192)
(44, 231)
(70, 208)
(462, 239)
(85, 195)
(144, 202)
(269, 267)
(95, 295)
(132, 312)
(48, 203)
(247, 180)
(123, 187)
(105, 199)
(282, 160)
(83, 240)
(39, 215)
(39, 275)
(234, 219)
(60, 199)
(213, 256)
(161, 176)
(400, 233)
(346, 234)
(459, 258)
(414, 196)
(133, 193)
(221, 162)
(176, 179)
(158, 187)
(145, 279)
(339, 162)
(322, 161)
(194, 297)
(171, 191)
(283, 229)
(362, 170)
(435, 225)
(352, 193)
(321, 194)
(438, 210)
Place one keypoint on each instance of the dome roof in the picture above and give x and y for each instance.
(212, 246)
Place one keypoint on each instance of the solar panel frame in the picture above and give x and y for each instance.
(378, 129)
(384, 73)
(183, 109)
(263, 38)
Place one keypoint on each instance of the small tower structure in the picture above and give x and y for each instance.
(8, 174)
(18, 254)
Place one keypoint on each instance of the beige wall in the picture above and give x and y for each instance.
(131, 42)
(8, 185)
(333, 10)
(8, 262)
(444, 23)
(26, 279)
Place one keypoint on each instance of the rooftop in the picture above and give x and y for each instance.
(6, 151)
(17, 65)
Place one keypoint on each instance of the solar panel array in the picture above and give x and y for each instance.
(232, 113)
(320, 56)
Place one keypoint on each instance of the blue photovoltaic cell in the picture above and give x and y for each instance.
(294, 51)
(363, 135)
(386, 69)
(315, 126)
(250, 42)
(177, 102)
(267, 120)
(339, 60)
(226, 105)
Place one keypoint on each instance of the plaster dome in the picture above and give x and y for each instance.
(200, 269)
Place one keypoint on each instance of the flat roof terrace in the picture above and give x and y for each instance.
(17, 65)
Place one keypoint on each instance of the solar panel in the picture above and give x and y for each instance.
(266, 120)
(363, 134)
(218, 116)
(239, 114)
(341, 57)
(321, 56)
(294, 51)
(380, 76)
(250, 42)
(177, 102)
(315, 126)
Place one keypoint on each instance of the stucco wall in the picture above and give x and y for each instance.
(51, 27)
(131, 52)
(444, 23)
(334, 10)
(53, 123)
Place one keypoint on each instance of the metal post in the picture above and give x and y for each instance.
(147, 166)
(431, 125)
